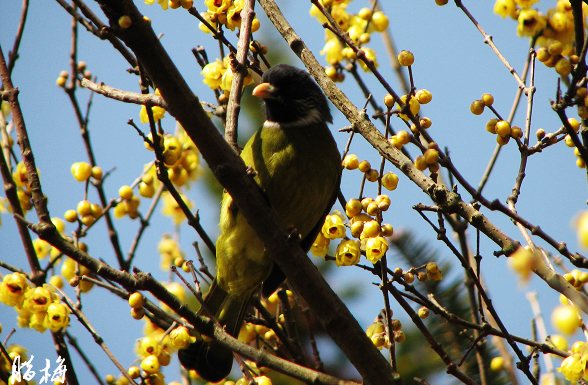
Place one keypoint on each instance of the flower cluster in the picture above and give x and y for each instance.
(430, 271)
(226, 13)
(501, 128)
(38, 307)
(218, 75)
(156, 347)
(358, 26)
(154, 350)
(182, 161)
(553, 29)
(362, 217)
(378, 333)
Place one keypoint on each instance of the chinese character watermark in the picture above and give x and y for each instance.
(24, 371)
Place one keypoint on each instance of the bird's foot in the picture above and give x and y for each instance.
(250, 171)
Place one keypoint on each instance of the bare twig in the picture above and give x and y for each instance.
(13, 53)
(239, 68)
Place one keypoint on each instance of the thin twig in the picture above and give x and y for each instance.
(13, 53)
(239, 69)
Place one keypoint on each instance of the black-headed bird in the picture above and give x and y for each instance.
(295, 161)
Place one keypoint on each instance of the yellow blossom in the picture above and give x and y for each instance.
(525, 3)
(211, 19)
(504, 8)
(339, 13)
(370, 54)
(334, 226)
(572, 368)
(348, 253)
(172, 209)
(158, 114)
(218, 6)
(234, 15)
(582, 229)
(162, 3)
(13, 289)
(169, 250)
(530, 22)
(213, 73)
(227, 80)
(566, 319)
(57, 317)
(333, 51)
(375, 248)
(523, 261)
(320, 246)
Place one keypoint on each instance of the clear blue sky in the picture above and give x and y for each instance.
(451, 61)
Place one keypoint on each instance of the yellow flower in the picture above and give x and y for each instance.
(211, 19)
(316, 13)
(162, 3)
(376, 332)
(234, 15)
(180, 337)
(333, 51)
(523, 261)
(334, 226)
(320, 246)
(348, 253)
(380, 21)
(375, 248)
(172, 150)
(339, 13)
(172, 209)
(42, 248)
(213, 73)
(504, 8)
(169, 250)
(572, 368)
(525, 3)
(57, 317)
(582, 229)
(370, 54)
(531, 22)
(566, 319)
(13, 289)
(227, 80)
(158, 114)
(559, 21)
(218, 6)
(38, 299)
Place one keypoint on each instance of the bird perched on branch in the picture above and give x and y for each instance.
(296, 164)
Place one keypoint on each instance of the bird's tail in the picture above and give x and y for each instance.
(212, 361)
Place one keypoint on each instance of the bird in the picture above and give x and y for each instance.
(295, 161)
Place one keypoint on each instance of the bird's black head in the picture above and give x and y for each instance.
(291, 95)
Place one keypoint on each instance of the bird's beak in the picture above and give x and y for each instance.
(264, 91)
